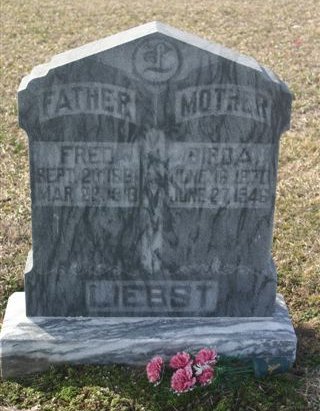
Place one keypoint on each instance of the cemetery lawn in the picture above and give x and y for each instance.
(283, 35)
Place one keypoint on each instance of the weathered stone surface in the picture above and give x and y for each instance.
(153, 164)
(32, 344)
(153, 158)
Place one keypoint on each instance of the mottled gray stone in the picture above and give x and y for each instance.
(153, 168)
(32, 344)
(153, 163)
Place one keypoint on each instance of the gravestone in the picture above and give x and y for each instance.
(153, 168)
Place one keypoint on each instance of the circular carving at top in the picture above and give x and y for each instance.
(156, 60)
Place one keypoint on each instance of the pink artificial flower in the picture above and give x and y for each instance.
(206, 356)
(206, 376)
(154, 370)
(180, 360)
(183, 380)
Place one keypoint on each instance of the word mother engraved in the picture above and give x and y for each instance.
(194, 102)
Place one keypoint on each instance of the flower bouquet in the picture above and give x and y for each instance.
(188, 372)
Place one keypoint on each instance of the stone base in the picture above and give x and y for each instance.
(33, 344)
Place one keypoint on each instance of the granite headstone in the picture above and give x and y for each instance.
(153, 166)
(153, 175)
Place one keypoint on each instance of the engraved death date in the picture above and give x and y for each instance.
(196, 175)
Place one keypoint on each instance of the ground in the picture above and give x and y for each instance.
(283, 35)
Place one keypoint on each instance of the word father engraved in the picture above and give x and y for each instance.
(120, 102)
(88, 98)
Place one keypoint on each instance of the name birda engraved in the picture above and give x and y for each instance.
(212, 175)
(202, 175)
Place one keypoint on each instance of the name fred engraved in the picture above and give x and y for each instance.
(205, 175)
(81, 174)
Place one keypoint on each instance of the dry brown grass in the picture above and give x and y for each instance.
(281, 34)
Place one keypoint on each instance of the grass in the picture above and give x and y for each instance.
(283, 35)
(104, 389)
